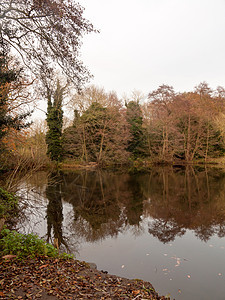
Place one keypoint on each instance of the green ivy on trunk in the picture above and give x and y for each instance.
(55, 123)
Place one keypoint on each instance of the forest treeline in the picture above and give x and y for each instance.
(165, 127)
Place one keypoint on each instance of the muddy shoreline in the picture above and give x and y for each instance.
(50, 278)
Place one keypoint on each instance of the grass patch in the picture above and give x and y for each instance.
(29, 245)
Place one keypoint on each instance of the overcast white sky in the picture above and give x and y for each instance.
(145, 43)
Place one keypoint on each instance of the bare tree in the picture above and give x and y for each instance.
(45, 33)
(160, 107)
(81, 101)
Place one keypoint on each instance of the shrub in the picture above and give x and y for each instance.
(8, 203)
(29, 245)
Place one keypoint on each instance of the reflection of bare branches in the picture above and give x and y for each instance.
(221, 229)
(33, 205)
(165, 231)
(32, 201)
(207, 183)
(204, 232)
(195, 200)
(137, 230)
(85, 231)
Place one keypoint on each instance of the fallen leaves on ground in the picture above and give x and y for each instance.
(47, 278)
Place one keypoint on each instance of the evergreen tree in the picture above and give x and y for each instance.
(7, 78)
(99, 135)
(55, 123)
(96, 120)
(136, 144)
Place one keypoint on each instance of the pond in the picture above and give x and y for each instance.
(166, 226)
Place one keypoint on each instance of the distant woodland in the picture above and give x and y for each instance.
(167, 127)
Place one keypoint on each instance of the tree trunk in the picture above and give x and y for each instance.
(207, 143)
(101, 144)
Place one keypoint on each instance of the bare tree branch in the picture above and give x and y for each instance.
(46, 33)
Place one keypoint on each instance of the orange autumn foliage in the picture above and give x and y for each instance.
(14, 139)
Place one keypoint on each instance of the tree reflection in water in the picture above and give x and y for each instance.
(99, 200)
(105, 203)
(54, 210)
(192, 198)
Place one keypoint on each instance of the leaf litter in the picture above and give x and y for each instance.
(49, 278)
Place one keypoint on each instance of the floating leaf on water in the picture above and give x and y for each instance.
(178, 262)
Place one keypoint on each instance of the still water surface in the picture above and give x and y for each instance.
(166, 226)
